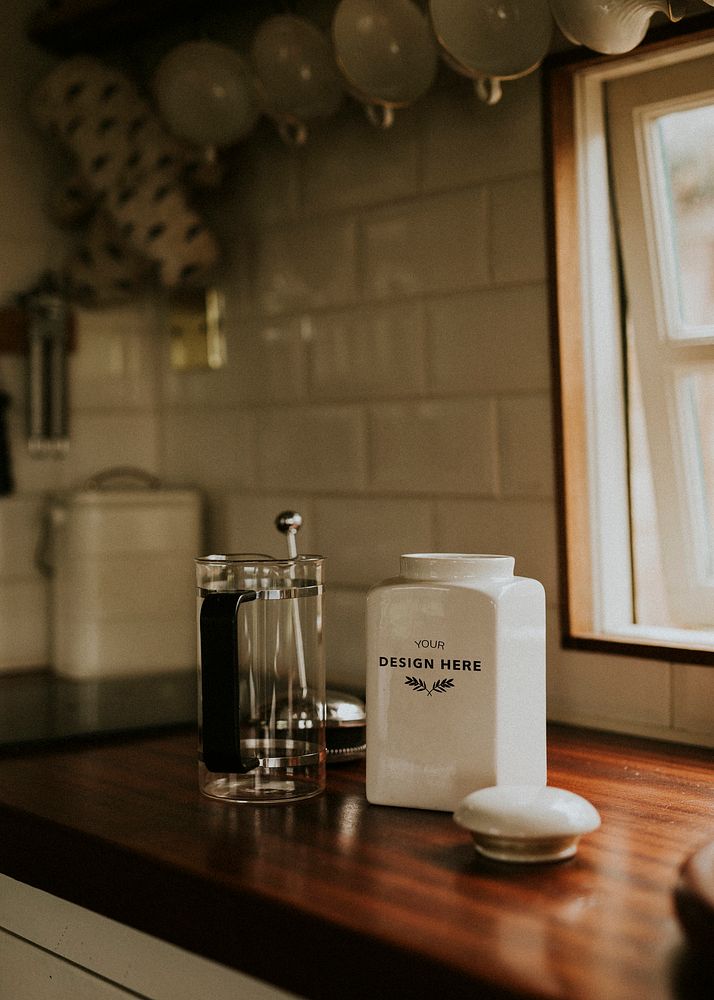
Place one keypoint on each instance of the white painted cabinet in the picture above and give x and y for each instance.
(30, 973)
(53, 950)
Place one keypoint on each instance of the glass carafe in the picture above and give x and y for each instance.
(261, 677)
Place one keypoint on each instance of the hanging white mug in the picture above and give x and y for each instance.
(205, 94)
(296, 76)
(385, 52)
(492, 42)
(611, 28)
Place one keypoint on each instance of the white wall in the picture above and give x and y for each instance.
(114, 416)
(389, 375)
(388, 369)
(385, 347)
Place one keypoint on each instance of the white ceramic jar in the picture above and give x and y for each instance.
(123, 596)
(455, 680)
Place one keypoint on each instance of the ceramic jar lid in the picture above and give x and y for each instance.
(526, 823)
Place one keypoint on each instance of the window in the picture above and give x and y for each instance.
(632, 209)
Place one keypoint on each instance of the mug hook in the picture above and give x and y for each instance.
(488, 89)
(380, 115)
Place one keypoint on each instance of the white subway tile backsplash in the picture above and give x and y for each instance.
(525, 529)
(307, 266)
(433, 244)
(203, 386)
(529, 530)
(693, 702)
(213, 448)
(199, 386)
(98, 441)
(24, 624)
(101, 440)
(467, 142)
(312, 448)
(468, 526)
(495, 340)
(352, 163)
(116, 365)
(21, 522)
(363, 539)
(518, 230)
(264, 189)
(526, 446)
(269, 360)
(30, 472)
(434, 446)
(367, 352)
(596, 689)
(266, 361)
(345, 645)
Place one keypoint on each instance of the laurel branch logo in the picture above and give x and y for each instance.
(417, 684)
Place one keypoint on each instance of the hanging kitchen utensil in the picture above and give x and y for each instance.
(386, 54)
(492, 42)
(296, 75)
(205, 94)
(156, 218)
(104, 268)
(71, 202)
(133, 165)
(47, 335)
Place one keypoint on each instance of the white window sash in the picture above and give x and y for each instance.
(663, 358)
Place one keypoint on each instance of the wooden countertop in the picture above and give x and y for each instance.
(334, 897)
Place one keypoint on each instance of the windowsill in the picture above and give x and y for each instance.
(647, 642)
(667, 636)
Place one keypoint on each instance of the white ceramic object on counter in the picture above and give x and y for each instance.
(455, 680)
(123, 593)
(526, 823)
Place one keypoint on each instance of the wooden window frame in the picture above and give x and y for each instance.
(573, 459)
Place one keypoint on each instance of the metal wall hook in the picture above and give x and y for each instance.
(47, 403)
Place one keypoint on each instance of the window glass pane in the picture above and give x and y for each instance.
(686, 141)
(700, 393)
(649, 592)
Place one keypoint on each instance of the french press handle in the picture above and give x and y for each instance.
(220, 701)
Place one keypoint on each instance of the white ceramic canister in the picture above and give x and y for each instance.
(123, 596)
(455, 680)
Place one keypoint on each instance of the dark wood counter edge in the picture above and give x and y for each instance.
(278, 943)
